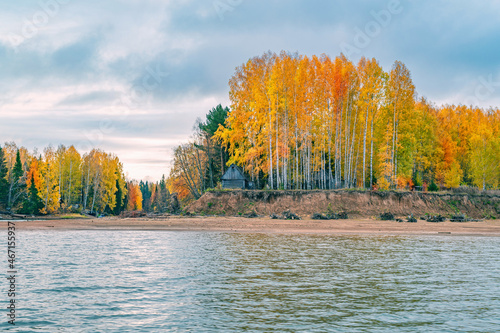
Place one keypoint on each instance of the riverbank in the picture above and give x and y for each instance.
(266, 225)
(357, 204)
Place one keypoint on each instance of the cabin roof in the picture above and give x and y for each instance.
(234, 173)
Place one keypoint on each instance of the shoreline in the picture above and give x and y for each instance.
(266, 225)
(358, 204)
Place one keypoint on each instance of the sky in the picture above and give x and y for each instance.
(132, 76)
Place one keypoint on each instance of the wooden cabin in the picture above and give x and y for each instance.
(234, 178)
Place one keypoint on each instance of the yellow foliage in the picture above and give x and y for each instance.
(383, 184)
(453, 176)
(134, 196)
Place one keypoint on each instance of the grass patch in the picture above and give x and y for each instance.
(454, 204)
(71, 216)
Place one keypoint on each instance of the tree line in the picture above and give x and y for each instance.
(295, 122)
(63, 180)
(299, 122)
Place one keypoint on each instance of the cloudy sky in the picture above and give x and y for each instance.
(132, 76)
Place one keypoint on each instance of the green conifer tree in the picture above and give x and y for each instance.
(17, 183)
(120, 204)
(18, 172)
(146, 196)
(33, 204)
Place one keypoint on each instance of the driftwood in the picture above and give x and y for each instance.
(19, 216)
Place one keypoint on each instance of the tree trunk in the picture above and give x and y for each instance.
(271, 180)
(364, 148)
(371, 153)
(70, 181)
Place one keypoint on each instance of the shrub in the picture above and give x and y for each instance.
(433, 187)
(387, 216)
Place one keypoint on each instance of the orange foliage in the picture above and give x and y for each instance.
(34, 173)
(134, 197)
(317, 122)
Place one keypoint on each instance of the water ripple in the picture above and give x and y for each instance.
(121, 281)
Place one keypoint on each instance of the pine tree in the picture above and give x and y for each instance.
(216, 153)
(146, 196)
(18, 167)
(33, 204)
(163, 197)
(16, 182)
(120, 204)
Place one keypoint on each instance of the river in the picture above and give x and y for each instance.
(163, 281)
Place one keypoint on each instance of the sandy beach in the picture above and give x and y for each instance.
(266, 225)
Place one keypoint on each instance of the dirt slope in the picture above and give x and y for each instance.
(355, 203)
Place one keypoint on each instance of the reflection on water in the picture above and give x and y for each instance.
(118, 281)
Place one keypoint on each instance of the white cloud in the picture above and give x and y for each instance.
(91, 59)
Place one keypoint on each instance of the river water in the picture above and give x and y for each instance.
(152, 281)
